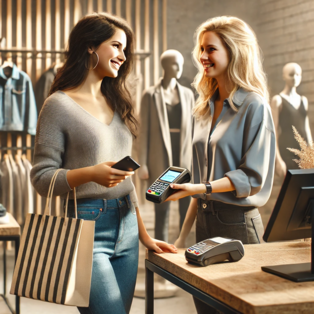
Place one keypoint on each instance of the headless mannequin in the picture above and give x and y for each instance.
(289, 108)
(172, 64)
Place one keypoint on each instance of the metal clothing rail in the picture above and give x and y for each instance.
(30, 50)
(16, 147)
(141, 54)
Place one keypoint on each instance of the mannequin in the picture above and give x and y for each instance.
(166, 132)
(289, 108)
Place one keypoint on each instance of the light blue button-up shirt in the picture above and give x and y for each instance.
(17, 102)
(241, 146)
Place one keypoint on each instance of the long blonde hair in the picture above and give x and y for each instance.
(245, 66)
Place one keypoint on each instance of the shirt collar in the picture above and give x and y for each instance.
(15, 73)
(238, 97)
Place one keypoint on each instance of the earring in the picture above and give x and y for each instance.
(97, 59)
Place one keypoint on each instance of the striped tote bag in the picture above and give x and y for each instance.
(54, 261)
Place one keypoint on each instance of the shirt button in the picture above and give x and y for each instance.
(204, 205)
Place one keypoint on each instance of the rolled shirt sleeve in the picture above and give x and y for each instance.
(251, 175)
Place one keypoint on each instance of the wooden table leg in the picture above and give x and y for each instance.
(17, 298)
(149, 291)
(4, 268)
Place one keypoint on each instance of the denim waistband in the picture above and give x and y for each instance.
(104, 203)
(216, 205)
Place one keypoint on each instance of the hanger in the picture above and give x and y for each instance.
(7, 64)
(17, 158)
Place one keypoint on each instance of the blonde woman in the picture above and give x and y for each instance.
(234, 140)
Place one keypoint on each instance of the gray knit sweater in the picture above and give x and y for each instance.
(68, 137)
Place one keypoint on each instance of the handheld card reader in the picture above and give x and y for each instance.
(160, 189)
(215, 250)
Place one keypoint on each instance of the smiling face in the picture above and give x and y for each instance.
(214, 56)
(111, 54)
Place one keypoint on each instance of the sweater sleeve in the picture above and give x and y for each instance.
(133, 198)
(49, 149)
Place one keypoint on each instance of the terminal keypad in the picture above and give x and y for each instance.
(158, 187)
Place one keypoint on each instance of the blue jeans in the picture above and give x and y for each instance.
(115, 254)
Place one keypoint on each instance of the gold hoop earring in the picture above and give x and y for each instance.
(97, 60)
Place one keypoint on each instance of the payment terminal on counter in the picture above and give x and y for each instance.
(160, 190)
(215, 250)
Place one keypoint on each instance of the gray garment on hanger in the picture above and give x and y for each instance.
(17, 192)
(29, 190)
(288, 117)
(43, 86)
(7, 185)
(22, 176)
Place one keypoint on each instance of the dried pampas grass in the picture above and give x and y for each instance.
(306, 154)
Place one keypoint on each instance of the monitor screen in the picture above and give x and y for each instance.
(170, 176)
(290, 217)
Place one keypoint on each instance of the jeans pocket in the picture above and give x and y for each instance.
(255, 228)
(258, 227)
(230, 218)
(89, 214)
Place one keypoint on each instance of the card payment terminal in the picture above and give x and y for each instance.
(215, 250)
(160, 189)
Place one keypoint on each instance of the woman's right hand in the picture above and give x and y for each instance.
(109, 177)
(184, 190)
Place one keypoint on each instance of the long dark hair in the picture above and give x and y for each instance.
(91, 31)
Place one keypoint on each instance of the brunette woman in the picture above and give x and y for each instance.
(85, 126)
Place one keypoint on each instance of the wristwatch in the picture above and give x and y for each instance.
(209, 188)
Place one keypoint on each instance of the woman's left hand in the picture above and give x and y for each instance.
(159, 246)
(184, 190)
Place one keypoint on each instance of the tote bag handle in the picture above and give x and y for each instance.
(50, 195)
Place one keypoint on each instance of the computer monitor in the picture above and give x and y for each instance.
(292, 219)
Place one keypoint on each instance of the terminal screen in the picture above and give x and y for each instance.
(170, 176)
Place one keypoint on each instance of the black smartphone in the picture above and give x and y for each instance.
(126, 164)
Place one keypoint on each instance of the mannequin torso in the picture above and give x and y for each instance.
(289, 108)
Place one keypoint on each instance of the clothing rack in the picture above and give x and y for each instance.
(16, 148)
(17, 143)
(34, 52)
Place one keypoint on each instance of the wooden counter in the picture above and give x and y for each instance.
(10, 229)
(10, 232)
(243, 285)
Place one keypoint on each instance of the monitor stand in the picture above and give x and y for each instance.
(296, 272)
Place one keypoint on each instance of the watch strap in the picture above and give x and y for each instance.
(209, 188)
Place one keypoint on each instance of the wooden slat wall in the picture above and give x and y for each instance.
(44, 27)
(47, 25)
